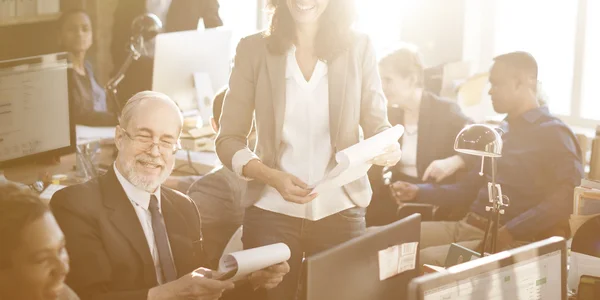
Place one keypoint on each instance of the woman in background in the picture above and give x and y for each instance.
(431, 125)
(311, 82)
(87, 97)
(33, 258)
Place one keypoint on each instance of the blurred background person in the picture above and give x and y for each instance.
(431, 124)
(33, 258)
(88, 99)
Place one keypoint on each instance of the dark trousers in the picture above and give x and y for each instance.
(304, 237)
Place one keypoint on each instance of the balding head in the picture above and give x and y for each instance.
(513, 79)
(147, 138)
(151, 99)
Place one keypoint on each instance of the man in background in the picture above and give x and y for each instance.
(218, 196)
(539, 168)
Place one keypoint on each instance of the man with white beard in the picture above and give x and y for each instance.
(130, 238)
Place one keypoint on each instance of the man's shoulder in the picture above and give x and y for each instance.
(80, 197)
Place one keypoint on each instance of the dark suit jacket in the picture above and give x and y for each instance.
(440, 120)
(183, 15)
(110, 258)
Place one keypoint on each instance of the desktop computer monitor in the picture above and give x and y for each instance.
(191, 66)
(353, 270)
(535, 271)
(35, 122)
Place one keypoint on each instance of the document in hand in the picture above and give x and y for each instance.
(354, 161)
(238, 265)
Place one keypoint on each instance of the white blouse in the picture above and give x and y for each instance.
(306, 150)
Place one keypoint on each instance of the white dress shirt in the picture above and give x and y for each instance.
(408, 162)
(140, 200)
(306, 150)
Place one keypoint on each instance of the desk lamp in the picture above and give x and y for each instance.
(143, 29)
(485, 141)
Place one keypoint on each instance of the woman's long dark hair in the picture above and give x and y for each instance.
(333, 37)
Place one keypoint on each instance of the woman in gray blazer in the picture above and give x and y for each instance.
(312, 84)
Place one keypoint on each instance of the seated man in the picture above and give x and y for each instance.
(130, 238)
(218, 196)
(539, 168)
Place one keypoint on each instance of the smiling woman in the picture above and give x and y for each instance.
(33, 258)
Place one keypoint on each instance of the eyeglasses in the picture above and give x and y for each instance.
(146, 143)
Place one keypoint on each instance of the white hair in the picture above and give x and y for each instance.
(136, 99)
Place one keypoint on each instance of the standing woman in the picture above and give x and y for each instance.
(87, 97)
(312, 83)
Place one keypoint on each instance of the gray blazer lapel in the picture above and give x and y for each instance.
(337, 71)
(276, 66)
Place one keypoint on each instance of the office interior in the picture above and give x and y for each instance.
(45, 148)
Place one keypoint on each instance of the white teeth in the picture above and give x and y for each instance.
(304, 7)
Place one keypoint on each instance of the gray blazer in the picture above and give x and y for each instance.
(257, 88)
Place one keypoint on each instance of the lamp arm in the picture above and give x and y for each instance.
(113, 83)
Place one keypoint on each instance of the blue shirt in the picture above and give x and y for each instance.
(539, 169)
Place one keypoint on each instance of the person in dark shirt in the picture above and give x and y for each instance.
(87, 97)
(539, 168)
(431, 124)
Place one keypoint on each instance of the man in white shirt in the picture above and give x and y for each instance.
(128, 238)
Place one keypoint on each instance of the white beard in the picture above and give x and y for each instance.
(145, 183)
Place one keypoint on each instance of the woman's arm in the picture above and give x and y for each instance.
(373, 111)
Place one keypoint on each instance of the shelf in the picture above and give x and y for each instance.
(29, 19)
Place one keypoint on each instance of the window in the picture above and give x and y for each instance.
(590, 100)
(381, 19)
(240, 16)
(547, 30)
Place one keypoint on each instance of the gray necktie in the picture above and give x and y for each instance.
(162, 243)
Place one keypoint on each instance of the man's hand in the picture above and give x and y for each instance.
(390, 158)
(195, 285)
(442, 168)
(403, 191)
(290, 187)
(270, 277)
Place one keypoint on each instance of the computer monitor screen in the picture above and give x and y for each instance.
(34, 109)
(191, 66)
(360, 268)
(535, 271)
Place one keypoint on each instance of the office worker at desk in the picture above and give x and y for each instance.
(87, 97)
(311, 82)
(431, 124)
(33, 258)
(176, 15)
(130, 238)
(539, 168)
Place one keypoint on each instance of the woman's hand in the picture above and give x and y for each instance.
(290, 187)
(390, 158)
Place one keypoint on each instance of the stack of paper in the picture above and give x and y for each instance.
(354, 162)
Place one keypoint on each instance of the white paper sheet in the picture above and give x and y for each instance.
(354, 161)
(245, 262)
(397, 259)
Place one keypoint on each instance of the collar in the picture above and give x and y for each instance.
(531, 116)
(135, 194)
(292, 69)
